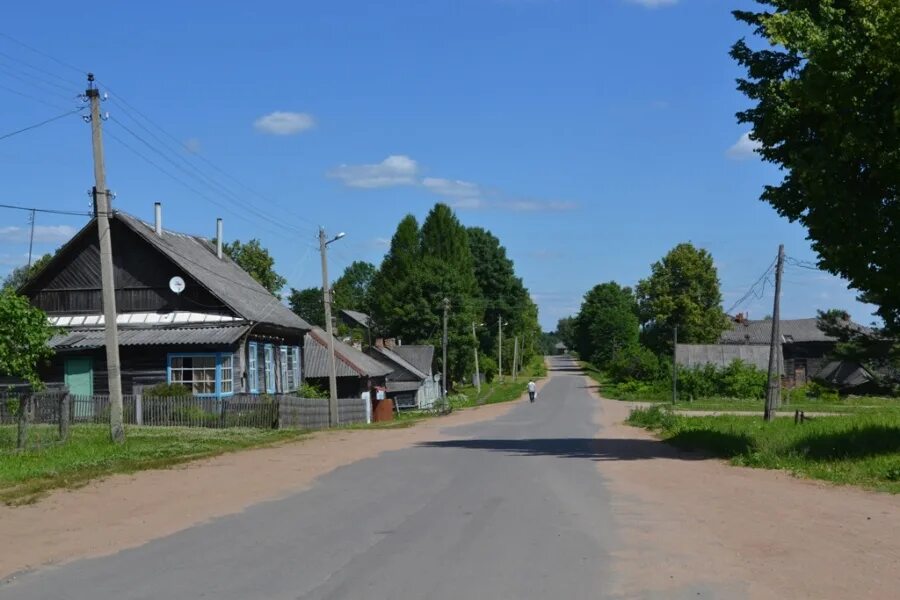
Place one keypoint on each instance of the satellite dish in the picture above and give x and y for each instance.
(176, 284)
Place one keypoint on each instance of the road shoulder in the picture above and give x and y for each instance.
(688, 522)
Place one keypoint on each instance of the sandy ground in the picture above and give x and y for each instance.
(762, 534)
(124, 511)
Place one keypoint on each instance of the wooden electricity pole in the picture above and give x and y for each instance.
(500, 347)
(773, 390)
(477, 372)
(675, 366)
(515, 367)
(107, 274)
(333, 416)
(444, 344)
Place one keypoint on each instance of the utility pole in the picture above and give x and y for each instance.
(107, 281)
(675, 366)
(31, 239)
(444, 345)
(515, 367)
(326, 299)
(500, 348)
(773, 390)
(477, 372)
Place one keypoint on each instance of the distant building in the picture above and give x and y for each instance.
(356, 372)
(411, 382)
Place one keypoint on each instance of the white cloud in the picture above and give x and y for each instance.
(744, 148)
(43, 234)
(654, 3)
(284, 123)
(453, 188)
(396, 169)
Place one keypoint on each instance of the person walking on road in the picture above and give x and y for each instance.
(532, 391)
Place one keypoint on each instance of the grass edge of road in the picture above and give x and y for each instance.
(27, 476)
(848, 405)
(861, 449)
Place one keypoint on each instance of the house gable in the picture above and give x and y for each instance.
(70, 283)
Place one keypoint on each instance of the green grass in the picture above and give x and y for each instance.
(25, 476)
(662, 393)
(860, 449)
(467, 396)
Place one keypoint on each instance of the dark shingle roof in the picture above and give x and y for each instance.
(395, 360)
(760, 332)
(151, 336)
(222, 277)
(349, 362)
(421, 357)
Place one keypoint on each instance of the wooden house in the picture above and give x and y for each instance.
(186, 313)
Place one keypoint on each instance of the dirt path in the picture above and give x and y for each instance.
(124, 511)
(690, 521)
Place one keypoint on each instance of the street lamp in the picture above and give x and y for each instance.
(326, 297)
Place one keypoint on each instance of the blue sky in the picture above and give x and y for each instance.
(590, 136)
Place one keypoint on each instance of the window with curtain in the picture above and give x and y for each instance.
(269, 374)
(252, 372)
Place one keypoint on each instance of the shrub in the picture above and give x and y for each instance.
(308, 390)
(634, 363)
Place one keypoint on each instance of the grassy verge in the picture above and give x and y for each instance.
(497, 392)
(25, 476)
(861, 449)
(645, 392)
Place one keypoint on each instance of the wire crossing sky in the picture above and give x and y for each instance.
(590, 137)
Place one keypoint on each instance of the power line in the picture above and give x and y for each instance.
(34, 81)
(38, 69)
(36, 125)
(127, 108)
(47, 210)
(44, 54)
(236, 199)
(31, 97)
(174, 177)
(753, 292)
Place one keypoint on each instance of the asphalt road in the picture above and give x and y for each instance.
(514, 508)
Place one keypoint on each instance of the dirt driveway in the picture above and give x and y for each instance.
(761, 534)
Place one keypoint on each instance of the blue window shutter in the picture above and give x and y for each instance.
(283, 368)
(253, 377)
(270, 368)
(297, 371)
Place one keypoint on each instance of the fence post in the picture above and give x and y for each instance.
(24, 409)
(64, 417)
(139, 407)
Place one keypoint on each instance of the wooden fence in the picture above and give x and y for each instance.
(240, 410)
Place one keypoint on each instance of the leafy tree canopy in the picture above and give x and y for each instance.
(683, 291)
(351, 290)
(257, 261)
(308, 305)
(20, 275)
(565, 329)
(23, 345)
(606, 324)
(826, 110)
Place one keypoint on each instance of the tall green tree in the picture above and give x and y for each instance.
(396, 299)
(503, 295)
(606, 324)
(448, 272)
(351, 290)
(20, 275)
(308, 305)
(683, 291)
(826, 110)
(257, 261)
(23, 345)
(565, 330)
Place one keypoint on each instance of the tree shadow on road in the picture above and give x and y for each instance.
(584, 448)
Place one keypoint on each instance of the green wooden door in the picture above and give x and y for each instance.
(80, 381)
